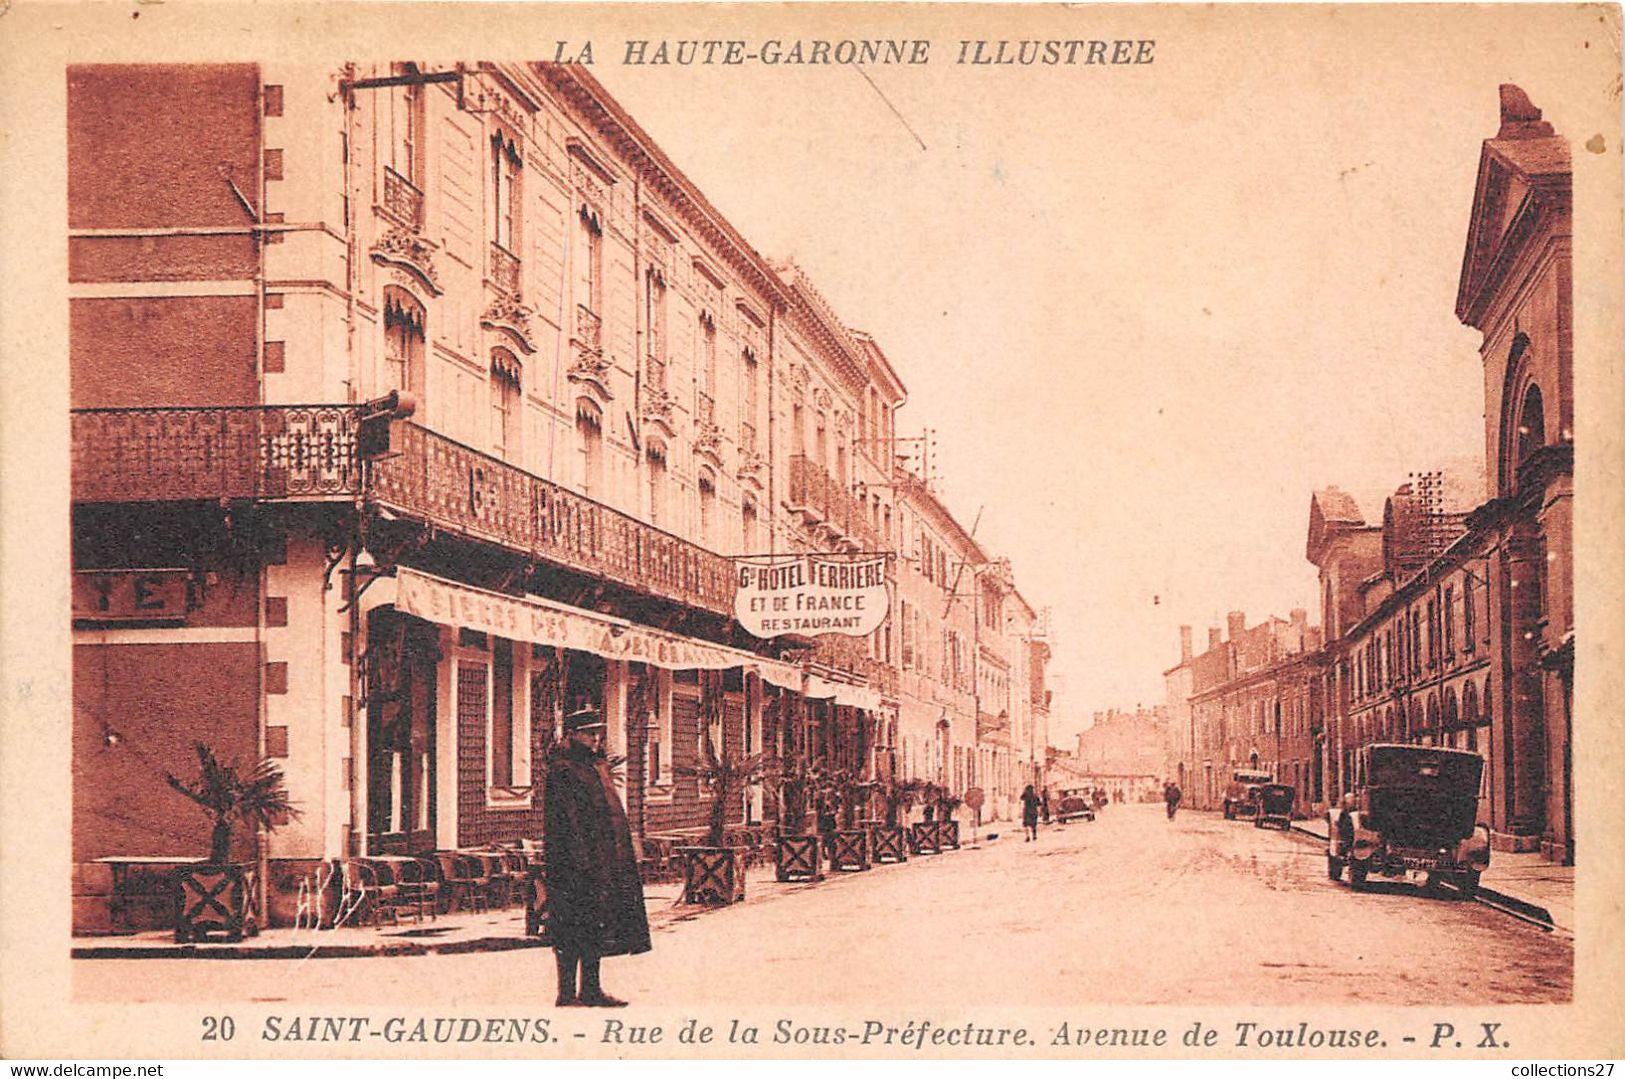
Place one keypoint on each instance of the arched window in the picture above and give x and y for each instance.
(506, 400)
(589, 443)
(1531, 424)
(1450, 716)
(655, 457)
(1469, 704)
(747, 515)
(403, 343)
(708, 505)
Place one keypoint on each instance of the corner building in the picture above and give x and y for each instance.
(414, 407)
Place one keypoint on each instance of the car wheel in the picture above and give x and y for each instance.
(1357, 875)
(1334, 867)
(1468, 883)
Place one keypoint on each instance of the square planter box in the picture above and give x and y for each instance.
(219, 899)
(888, 843)
(851, 850)
(797, 857)
(948, 833)
(714, 876)
(927, 837)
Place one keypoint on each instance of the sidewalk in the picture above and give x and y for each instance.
(449, 934)
(1526, 883)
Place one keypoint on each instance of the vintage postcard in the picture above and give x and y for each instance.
(828, 531)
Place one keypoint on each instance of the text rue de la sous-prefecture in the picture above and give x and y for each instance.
(1070, 52)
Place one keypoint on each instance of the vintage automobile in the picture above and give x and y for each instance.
(1240, 797)
(1075, 804)
(1412, 809)
(1272, 806)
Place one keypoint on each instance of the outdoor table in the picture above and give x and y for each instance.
(123, 896)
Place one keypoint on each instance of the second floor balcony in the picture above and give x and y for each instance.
(823, 501)
(213, 453)
(314, 453)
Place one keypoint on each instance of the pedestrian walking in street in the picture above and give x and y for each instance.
(1029, 812)
(1171, 794)
(1043, 804)
(594, 894)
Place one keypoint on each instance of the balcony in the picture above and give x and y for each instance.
(817, 495)
(504, 270)
(455, 488)
(195, 454)
(402, 200)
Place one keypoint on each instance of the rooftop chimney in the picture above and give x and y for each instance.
(1236, 621)
(1215, 637)
(1184, 644)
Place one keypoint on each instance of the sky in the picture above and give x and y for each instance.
(1148, 310)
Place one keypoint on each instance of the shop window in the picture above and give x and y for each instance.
(658, 769)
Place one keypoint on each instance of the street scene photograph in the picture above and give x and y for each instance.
(926, 515)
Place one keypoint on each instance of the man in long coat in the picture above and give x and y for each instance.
(594, 893)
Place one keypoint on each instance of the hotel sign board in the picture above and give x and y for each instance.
(809, 596)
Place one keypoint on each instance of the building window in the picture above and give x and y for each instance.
(821, 441)
(747, 536)
(708, 506)
(750, 374)
(654, 297)
(403, 123)
(590, 263)
(705, 408)
(1468, 629)
(1450, 624)
(840, 458)
(1433, 633)
(403, 342)
(908, 636)
(659, 771)
(1531, 424)
(655, 458)
(505, 192)
(589, 443)
(506, 399)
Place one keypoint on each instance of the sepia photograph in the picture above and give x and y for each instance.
(883, 531)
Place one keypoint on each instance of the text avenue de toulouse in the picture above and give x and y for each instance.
(1069, 52)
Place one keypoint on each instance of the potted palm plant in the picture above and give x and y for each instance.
(219, 896)
(716, 872)
(887, 837)
(927, 834)
(796, 854)
(948, 828)
(850, 845)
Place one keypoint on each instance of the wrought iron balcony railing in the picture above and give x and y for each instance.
(504, 270)
(435, 479)
(402, 200)
(815, 491)
(186, 454)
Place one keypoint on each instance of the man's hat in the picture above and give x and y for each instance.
(583, 719)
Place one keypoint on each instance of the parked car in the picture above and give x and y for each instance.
(1075, 804)
(1412, 809)
(1240, 796)
(1273, 806)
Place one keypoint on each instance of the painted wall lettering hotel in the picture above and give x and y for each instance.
(416, 405)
